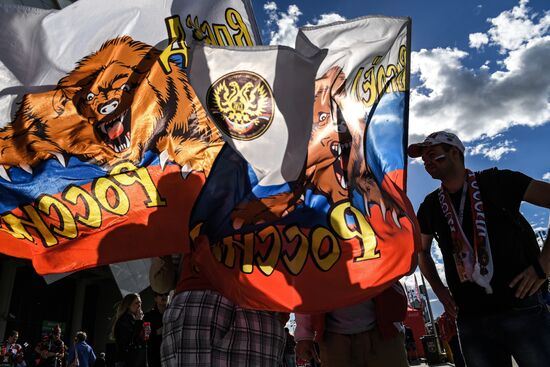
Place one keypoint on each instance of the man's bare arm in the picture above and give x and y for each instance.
(538, 193)
(529, 281)
(429, 270)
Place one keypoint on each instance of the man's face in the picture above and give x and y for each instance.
(437, 162)
(13, 339)
(161, 300)
(56, 335)
(135, 307)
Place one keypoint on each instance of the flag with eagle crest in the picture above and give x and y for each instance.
(142, 129)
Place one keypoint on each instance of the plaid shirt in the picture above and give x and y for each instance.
(203, 328)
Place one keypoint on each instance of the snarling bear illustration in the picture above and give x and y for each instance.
(116, 104)
(335, 163)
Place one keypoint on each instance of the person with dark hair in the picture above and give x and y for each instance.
(11, 353)
(154, 317)
(129, 333)
(51, 349)
(82, 350)
(493, 264)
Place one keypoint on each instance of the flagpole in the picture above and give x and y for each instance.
(407, 294)
(431, 316)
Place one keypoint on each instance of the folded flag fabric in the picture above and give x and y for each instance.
(95, 109)
(150, 130)
(275, 237)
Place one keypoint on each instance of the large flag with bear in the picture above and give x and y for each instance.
(278, 169)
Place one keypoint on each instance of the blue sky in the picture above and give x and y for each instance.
(478, 69)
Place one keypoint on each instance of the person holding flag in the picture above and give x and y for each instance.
(370, 333)
(493, 265)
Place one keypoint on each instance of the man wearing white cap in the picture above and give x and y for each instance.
(493, 264)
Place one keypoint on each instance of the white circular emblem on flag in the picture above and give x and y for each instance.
(241, 104)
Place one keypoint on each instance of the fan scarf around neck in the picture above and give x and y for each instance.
(473, 263)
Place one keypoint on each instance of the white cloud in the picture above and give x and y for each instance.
(485, 67)
(478, 40)
(472, 102)
(477, 9)
(546, 176)
(284, 25)
(513, 28)
(270, 6)
(327, 19)
(492, 152)
(271, 11)
(477, 102)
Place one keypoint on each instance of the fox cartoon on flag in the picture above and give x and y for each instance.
(148, 130)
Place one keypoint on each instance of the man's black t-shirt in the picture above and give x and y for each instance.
(510, 237)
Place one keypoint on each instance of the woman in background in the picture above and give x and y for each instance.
(128, 332)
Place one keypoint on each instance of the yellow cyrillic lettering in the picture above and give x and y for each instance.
(101, 188)
(18, 225)
(92, 214)
(325, 262)
(236, 22)
(268, 263)
(127, 174)
(364, 233)
(176, 44)
(67, 225)
(297, 262)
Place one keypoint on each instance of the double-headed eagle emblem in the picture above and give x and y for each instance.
(241, 104)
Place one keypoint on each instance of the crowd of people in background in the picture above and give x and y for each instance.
(137, 338)
(50, 351)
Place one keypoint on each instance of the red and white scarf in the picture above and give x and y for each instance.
(474, 264)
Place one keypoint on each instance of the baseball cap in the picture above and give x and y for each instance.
(439, 137)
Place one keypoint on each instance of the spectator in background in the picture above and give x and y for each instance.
(290, 350)
(410, 345)
(154, 317)
(11, 353)
(51, 349)
(84, 352)
(367, 334)
(100, 361)
(448, 332)
(128, 333)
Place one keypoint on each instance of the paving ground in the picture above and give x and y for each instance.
(432, 365)
(446, 364)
